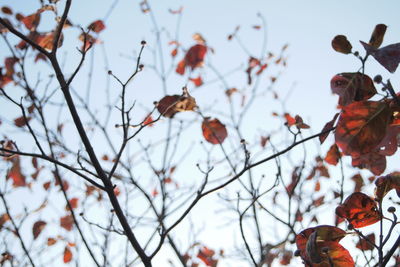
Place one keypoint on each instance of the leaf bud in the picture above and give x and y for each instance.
(378, 78)
(143, 42)
(350, 227)
(297, 253)
(391, 209)
(109, 72)
(324, 250)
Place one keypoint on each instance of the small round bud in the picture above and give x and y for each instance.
(143, 42)
(391, 209)
(378, 78)
(109, 72)
(356, 53)
(242, 141)
(324, 250)
(350, 227)
(141, 66)
(297, 253)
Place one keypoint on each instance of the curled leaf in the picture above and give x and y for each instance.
(38, 228)
(377, 35)
(194, 58)
(341, 44)
(388, 56)
(386, 183)
(352, 87)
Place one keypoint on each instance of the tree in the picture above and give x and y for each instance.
(109, 171)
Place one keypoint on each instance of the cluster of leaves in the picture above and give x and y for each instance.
(367, 131)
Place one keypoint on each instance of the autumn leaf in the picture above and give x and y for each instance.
(388, 56)
(51, 241)
(3, 219)
(214, 131)
(373, 161)
(6, 10)
(359, 210)
(377, 35)
(206, 255)
(32, 21)
(341, 44)
(361, 127)
(194, 58)
(21, 121)
(169, 105)
(333, 155)
(97, 26)
(368, 243)
(38, 228)
(300, 124)
(67, 255)
(16, 174)
(352, 87)
(46, 40)
(148, 121)
(197, 81)
(290, 121)
(329, 125)
(386, 183)
(320, 245)
(73, 202)
(67, 222)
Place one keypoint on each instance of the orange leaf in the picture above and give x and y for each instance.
(359, 210)
(341, 44)
(51, 241)
(37, 228)
(311, 241)
(289, 119)
(67, 255)
(352, 87)
(16, 174)
(148, 121)
(328, 125)
(214, 131)
(31, 21)
(361, 127)
(73, 202)
(197, 81)
(333, 155)
(97, 26)
(67, 222)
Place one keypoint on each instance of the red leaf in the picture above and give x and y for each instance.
(366, 245)
(311, 241)
(197, 81)
(341, 44)
(300, 124)
(51, 241)
(352, 87)
(148, 121)
(6, 10)
(289, 119)
(73, 202)
(214, 131)
(21, 121)
(386, 183)
(67, 255)
(361, 127)
(37, 228)
(359, 182)
(373, 161)
(16, 174)
(32, 21)
(388, 56)
(97, 26)
(359, 210)
(333, 155)
(194, 58)
(328, 125)
(67, 222)
(205, 255)
(377, 35)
